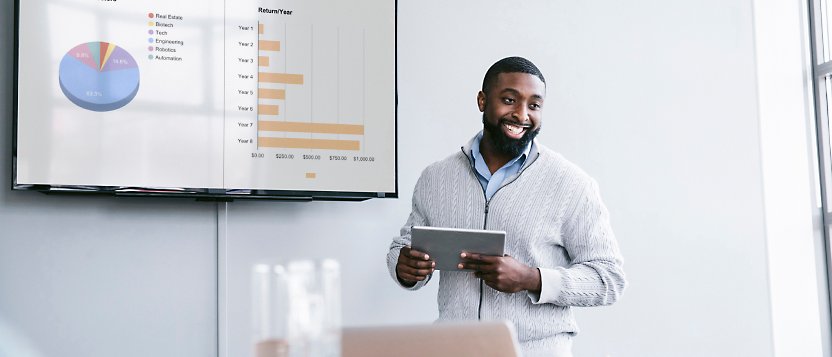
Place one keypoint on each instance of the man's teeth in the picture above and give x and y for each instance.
(514, 129)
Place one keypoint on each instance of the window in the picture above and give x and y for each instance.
(820, 37)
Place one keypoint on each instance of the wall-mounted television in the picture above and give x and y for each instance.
(212, 99)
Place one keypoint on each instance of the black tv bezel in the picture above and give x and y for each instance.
(201, 194)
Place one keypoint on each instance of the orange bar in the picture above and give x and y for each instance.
(265, 93)
(269, 45)
(319, 128)
(263, 61)
(311, 175)
(264, 109)
(280, 78)
(260, 28)
(291, 143)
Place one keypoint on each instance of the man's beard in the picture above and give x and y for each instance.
(505, 145)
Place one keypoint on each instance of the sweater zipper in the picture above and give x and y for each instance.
(484, 224)
(485, 219)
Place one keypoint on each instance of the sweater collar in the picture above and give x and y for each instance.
(533, 152)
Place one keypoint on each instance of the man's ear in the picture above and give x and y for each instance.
(481, 101)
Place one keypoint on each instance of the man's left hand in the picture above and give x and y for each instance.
(504, 273)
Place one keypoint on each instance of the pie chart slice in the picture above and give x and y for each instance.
(99, 76)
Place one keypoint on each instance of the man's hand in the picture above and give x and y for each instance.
(502, 273)
(413, 266)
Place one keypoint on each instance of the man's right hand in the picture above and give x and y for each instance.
(413, 266)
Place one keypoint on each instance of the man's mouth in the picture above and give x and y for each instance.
(515, 129)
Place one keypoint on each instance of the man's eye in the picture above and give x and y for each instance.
(534, 106)
(508, 100)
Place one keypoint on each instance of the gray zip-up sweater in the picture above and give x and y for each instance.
(554, 220)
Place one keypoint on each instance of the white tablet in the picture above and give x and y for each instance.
(444, 245)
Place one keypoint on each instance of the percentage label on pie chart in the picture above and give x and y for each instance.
(99, 76)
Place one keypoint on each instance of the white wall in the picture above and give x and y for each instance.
(657, 100)
(99, 276)
(675, 148)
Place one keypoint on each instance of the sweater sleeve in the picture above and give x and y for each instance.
(595, 276)
(416, 218)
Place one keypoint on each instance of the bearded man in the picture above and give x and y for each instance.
(560, 248)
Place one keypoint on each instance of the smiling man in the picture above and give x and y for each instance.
(560, 248)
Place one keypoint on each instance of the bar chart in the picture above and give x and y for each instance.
(310, 96)
(273, 85)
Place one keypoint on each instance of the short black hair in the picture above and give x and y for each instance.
(510, 65)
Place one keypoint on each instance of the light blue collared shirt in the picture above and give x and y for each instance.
(490, 183)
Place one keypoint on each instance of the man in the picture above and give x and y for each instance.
(560, 248)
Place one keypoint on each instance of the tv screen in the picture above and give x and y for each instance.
(213, 99)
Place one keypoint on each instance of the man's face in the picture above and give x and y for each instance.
(512, 111)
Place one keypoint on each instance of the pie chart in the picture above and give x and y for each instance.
(99, 76)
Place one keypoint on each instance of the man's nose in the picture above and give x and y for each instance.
(521, 113)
